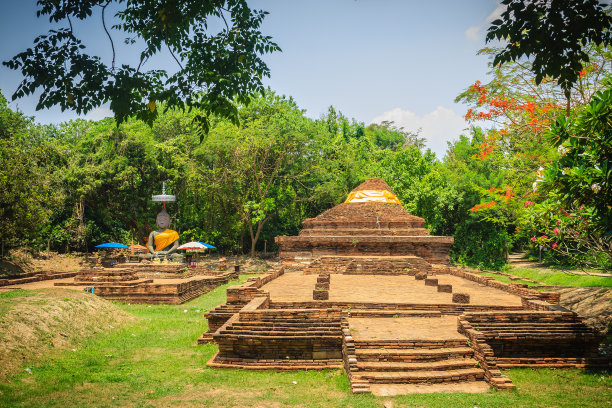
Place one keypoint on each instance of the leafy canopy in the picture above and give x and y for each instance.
(214, 69)
(554, 33)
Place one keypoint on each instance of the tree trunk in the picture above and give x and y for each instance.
(255, 238)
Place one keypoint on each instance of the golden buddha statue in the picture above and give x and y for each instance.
(165, 240)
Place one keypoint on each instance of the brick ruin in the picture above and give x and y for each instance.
(363, 229)
(365, 287)
(149, 283)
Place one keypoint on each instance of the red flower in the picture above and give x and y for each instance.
(533, 239)
(554, 245)
(544, 237)
(556, 231)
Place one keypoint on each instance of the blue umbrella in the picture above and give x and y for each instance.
(112, 245)
(208, 245)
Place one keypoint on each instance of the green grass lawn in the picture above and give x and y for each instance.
(557, 277)
(155, 362)
(505, 279)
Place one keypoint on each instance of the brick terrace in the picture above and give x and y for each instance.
(294, 286)
(365, 286)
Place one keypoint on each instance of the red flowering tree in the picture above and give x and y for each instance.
(519, 115)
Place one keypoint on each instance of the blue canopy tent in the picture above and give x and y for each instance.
(111, 245)
(208, 245)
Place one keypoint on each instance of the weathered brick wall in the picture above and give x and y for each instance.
(293, 334)
(533, 334)
(431, 249)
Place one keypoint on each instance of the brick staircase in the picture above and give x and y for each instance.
(217, 317)
(311, 336)
(411, 362)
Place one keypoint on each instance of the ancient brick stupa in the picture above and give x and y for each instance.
(371, 222)
(364, 286)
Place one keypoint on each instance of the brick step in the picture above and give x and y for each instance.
(534, 332)
(24, 275)
(549, 326)
(451, 364)
(422, 376)
(258, 327)
(271, 333)
(556, 362)
(393, 313)
(290, 337)
(534, 324)
(19, 281)
(409, 344)
(535, 335)
(228, 307)
(106, 284)
(410, 355)
(312, 322)
(280, 325)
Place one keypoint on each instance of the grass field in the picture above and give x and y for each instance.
(558, 277)
(154, 362)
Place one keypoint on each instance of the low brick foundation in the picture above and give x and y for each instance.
(445, 288)
(527, 338)
(463, 298)
(169, 293)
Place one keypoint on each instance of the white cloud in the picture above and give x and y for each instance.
(438, 127)
(99, 113)
(475, 32)
(496, 13)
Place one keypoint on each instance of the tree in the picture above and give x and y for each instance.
(24, 187)
(263, 165)
(554, 33)
(574, 219)
(387, 135)
(214, 69)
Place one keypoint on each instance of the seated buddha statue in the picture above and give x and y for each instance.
(165, 240)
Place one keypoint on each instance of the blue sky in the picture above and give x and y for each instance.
(400, 60)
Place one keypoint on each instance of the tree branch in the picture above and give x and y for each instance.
(108, 34)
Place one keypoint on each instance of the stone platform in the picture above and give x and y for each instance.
(148, 283)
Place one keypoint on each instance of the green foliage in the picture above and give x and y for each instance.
(24, 180)
(554, 33)
(447, 196)
(582, 172)
(214, 69)
(573, 218)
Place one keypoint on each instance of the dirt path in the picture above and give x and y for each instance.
(518, 260)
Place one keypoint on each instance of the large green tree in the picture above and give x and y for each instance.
(24, 180)
(214, 69)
